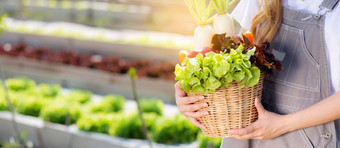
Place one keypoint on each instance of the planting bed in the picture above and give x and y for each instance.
(38, 64)
(95, 121)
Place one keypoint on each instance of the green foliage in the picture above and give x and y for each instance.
(3, 105)
(20, 84)
(47, 90)
(206, 74)
(199, 11)
(2, 24)
(59, 111)
(30, 105)
(16, 97)
(80, 96)
(152, 105)
(109, 103)
(99, 122)
(131, 126)
(177, 129)
(222, 6)
(132, 73)
(208, 142)
(3, 102)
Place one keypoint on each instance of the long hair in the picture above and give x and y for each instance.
(267, 21)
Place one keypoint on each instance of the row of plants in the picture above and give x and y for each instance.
(76, 31)
(84, 5)
(106, 115)
(113, 64)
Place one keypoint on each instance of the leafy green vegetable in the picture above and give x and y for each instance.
(2, 24)
(131, 126)
(152, 105)
(215, 70)
(262, 57)
(208, 142)
(99, 122)
(108, 104)
(3, 103)
(174, 130)
(48, 90)
(80, 96)
(20, 84)
(30, 105)
(61, 112)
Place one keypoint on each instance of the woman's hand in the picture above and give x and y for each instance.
(269, 125)
(187, 107)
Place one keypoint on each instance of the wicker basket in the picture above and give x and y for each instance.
(230, 108)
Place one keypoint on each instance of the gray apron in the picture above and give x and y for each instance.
(299, 44)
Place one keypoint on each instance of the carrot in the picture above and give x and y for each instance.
(249, 36)
(182, 55)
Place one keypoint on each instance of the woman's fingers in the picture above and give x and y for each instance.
(192, 107)
(188, 100)
(259, 107)
(243, 131)
(187, 106)
(196, 123)
(196, 114)
(179, 91)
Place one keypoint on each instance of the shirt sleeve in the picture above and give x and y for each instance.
(244, 12)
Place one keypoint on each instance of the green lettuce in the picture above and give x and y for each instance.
(215, 70)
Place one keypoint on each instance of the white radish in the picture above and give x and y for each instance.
(224, 24)
(201, 14)
(202, 36)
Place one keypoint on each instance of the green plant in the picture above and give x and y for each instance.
(222, 6)
(80, 96)
(2, 24)
(199, 11)
(152, 105)
(109, 103)
(206, 74)
(15, 97)
(30, 105)
(3, 102)
(61, 112)
(12, 143)
(131, 126)
(98, 122)
(144, 126)
(3, 105)
(48, 90)
(20, 84)
(177, 129)
(208, 142)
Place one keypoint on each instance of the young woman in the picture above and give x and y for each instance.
(300, 106)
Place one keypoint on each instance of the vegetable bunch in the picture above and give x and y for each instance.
(205, 73)
(263, 58)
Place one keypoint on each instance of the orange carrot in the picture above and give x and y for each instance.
(182, 55)
(249, 36)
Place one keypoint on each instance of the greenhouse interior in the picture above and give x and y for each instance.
(81, 73)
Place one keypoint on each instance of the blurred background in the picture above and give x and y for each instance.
(66, 61)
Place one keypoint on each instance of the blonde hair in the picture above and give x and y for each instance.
(267, 21)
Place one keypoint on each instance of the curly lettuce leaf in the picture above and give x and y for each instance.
(215, 70)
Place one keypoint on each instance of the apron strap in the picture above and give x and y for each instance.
(328, 4)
